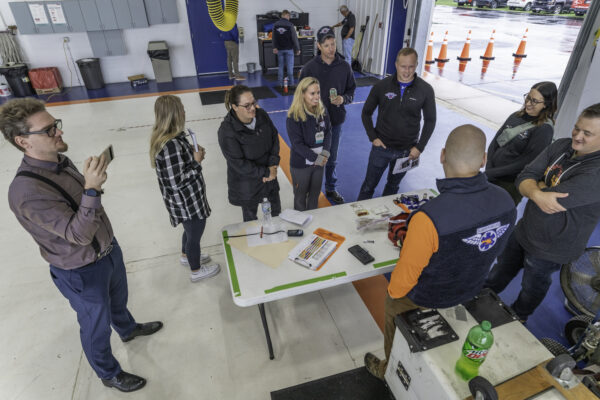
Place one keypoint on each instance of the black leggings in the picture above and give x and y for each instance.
(190, 241)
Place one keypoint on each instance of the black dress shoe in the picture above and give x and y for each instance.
(143, 330)
(335, 196)
(125, 382)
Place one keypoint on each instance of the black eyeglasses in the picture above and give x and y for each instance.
(249, 105)
(530, 99)
(50, 131)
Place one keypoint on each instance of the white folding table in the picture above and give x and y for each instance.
(254, 283)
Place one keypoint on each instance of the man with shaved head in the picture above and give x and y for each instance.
(451, 241)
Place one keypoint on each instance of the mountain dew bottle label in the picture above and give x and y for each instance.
(474, 351)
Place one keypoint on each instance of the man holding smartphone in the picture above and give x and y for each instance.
(337, 89)
(62, 211)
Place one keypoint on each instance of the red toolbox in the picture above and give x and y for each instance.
(46, 80)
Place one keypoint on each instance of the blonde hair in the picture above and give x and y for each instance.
(298, 109)
(169, 122)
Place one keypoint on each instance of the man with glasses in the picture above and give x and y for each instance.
(61, 209)
(563, 186)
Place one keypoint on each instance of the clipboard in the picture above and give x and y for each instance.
(339, 239)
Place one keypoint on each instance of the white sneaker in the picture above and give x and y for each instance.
(205, 271)
(204, 258)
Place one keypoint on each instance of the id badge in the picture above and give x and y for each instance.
(319, 136)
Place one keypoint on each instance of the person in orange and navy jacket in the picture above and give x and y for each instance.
(452, 240)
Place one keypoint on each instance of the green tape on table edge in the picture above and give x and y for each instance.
(234, 280)
(385, 263)
(306, 282)
(434, 192)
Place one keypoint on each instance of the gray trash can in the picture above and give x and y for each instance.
(18, 79)
(251, 67)
(91, 73)
(158, 51)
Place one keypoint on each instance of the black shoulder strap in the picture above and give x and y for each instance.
(62, 191)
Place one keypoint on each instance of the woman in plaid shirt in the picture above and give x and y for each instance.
(181, 182)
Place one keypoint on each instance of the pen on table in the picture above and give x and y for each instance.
(261, 232)
(368, 241)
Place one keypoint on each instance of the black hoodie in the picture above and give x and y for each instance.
(561, 237)
(249, 154)
(336, 75)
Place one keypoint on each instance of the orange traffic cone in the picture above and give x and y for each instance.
(487, 56)
(464, 56)
(429, 57)
(521, 50)
(442, 58)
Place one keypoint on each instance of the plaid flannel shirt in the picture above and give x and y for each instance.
(181, 182)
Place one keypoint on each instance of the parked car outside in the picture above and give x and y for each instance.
(525, 5)
(463, 2)
(551, 6)
(580, 7)
(489, 3)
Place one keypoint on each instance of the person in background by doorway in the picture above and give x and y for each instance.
(348, 25)
(401, 99)
(181, 182)
(250, 144)
(231, 40)
(522, 137)
(285, 44)
(309, 130)
(334, 74)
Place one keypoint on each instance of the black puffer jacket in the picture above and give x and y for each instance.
(249, 153)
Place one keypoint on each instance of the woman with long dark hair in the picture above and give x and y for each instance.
(250, 144)
(522, 137)
(181, 182)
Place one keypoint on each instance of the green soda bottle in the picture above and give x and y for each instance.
(476, 347)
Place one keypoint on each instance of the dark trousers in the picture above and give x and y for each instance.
(250, 209)
(330, 175)
(379, 160)
(190, 240)
(307, 187)
(537, 276)
(98, 294)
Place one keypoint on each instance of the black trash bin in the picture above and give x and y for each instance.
(91, 73)
(18, 79)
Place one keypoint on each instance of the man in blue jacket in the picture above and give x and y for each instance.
(231, 40)
(563, 186)
(333, 73)
(285, 44)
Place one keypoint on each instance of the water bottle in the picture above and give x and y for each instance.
(474, 351)
(266, 210)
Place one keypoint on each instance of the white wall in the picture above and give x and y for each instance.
(47, 50)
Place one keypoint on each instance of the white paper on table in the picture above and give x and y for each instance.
(316, 150)
(57, 16)
(404, 164)
(295, 217)
(254, 238)
(38, 13)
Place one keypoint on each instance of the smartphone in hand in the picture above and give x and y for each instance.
(108, 154)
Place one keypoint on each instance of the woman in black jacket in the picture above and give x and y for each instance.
(250, 144)
(522, 138)
(309, 130)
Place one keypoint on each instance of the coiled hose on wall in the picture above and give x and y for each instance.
(224, 20)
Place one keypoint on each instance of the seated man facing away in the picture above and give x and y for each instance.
(451, 241)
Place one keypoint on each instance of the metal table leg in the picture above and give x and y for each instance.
(263, 317)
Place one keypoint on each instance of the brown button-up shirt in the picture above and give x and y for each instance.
(63, 235)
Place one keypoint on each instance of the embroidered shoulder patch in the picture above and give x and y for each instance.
(487, 236)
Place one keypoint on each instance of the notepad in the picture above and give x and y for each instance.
(312, 251)
(295, 217)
